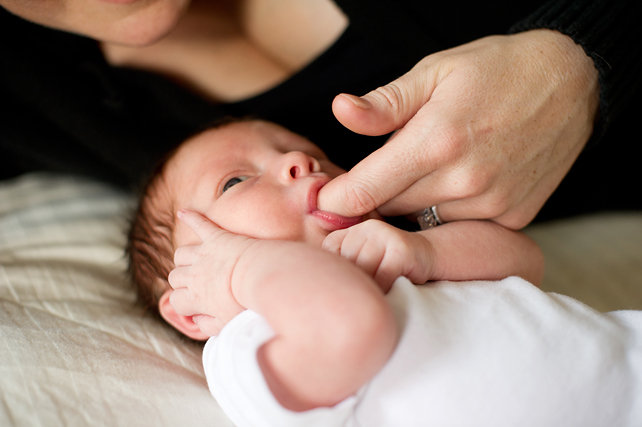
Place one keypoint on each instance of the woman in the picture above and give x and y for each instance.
(106, 87)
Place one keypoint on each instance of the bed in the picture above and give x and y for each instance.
(75, 350)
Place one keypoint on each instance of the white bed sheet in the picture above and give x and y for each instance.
(74, 349)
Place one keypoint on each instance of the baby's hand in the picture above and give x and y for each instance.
(384, 252)
(202, 278)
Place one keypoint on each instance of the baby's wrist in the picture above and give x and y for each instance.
(243, 275)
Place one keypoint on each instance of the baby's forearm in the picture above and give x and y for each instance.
(472, 250)
(334, 329)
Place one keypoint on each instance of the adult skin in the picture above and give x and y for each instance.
(488, 129)
(224, 50)
(129, 22)
(485, 130)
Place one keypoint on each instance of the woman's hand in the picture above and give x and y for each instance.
(487, 130)
(202, 279)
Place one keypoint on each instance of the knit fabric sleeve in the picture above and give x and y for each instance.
(610, 32)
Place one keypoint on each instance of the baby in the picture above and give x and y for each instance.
(252, 246)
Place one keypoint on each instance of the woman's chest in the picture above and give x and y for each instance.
(234, 49)
(293, 32)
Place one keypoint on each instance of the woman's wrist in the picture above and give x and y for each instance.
(560, 58)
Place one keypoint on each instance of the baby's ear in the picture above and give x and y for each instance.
(184, 324)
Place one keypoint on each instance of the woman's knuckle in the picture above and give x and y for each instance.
(491, 205)
(490, 211)
(398, 96)
(451, 143)
(464, 185)
(361, 198)
(392, 94)
(514, 220)
(498, 204)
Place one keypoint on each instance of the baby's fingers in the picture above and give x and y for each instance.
(369, 257)
(184, 256)
(179, 278)
(210, 326)
(388, 270)
(203, 227)
(183, 302)
(332, 242)
(352, 245)
(346, 243)
(356, 248)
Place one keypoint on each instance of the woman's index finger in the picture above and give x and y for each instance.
(202, 226)
(382, 175)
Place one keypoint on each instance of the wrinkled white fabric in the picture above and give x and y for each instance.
(471, 354)
(75, 350)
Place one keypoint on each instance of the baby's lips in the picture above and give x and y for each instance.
(333, 221)
(336, 221)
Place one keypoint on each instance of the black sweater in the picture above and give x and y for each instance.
(65, 109)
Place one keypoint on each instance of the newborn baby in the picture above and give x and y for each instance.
(315, 325)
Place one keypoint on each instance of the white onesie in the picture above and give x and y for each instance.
(470, 354)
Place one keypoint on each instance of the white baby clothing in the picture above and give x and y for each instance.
(480, 353)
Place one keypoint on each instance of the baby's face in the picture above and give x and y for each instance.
(257, 179)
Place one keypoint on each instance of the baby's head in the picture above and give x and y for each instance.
(249, 177)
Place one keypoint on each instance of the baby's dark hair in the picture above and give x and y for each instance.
(150, 243)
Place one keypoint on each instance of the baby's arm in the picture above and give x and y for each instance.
(468, 250)
(462, 250)
(334, 329)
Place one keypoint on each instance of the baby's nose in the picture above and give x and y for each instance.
(297, 165)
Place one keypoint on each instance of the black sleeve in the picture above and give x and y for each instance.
(610, 32)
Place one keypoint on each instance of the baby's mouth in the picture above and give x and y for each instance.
(333, 220)
(336, 221)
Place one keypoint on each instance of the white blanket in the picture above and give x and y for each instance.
(74, 349)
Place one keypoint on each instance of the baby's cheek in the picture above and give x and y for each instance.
(263, 225)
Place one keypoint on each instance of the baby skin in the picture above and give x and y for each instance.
(250, 236)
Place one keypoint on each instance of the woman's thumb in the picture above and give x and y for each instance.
(386, 108)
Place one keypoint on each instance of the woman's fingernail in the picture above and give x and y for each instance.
(362, 103)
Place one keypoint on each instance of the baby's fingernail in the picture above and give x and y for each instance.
(361, 103)
(181, 213)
